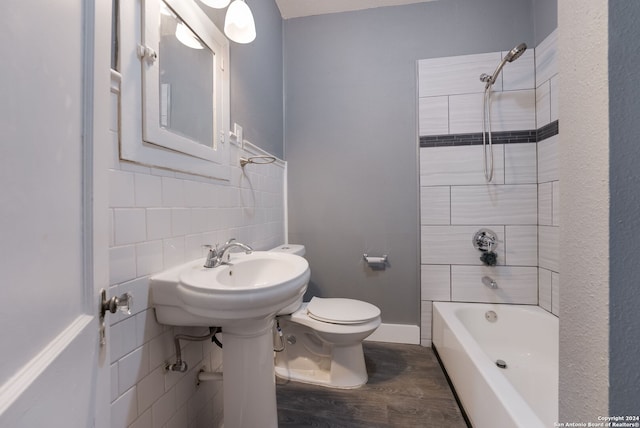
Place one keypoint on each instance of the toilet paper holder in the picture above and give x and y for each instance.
(376, 262)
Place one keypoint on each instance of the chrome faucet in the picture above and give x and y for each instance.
(220, 255)
(489, 282)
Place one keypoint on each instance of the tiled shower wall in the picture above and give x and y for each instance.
(160, 219)
(548, 183)
(455, 199)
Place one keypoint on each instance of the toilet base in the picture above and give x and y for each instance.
(341, 367)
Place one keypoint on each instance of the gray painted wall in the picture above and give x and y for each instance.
(624, 214)
(545, 18)
(351, 136)
(256, 78)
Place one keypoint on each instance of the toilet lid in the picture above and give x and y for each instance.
(341, 311)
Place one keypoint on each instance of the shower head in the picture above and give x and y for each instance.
(511, 56)
(516, 52)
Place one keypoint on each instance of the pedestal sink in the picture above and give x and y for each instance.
(243, 298)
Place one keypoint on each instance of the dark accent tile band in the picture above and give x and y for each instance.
(505, 137)
(548, 131)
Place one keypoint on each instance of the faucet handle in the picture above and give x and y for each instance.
(212, 250)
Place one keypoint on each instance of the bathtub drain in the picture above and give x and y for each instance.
(501, 364)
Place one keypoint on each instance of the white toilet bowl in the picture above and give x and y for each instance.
(323, 340)
(327, 353)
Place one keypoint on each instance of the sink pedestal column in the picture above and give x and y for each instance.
(249, 378)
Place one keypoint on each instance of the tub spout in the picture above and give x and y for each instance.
(489, 282)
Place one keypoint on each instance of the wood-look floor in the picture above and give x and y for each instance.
(406, 388)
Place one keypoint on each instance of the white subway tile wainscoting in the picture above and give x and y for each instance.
(520, 204)
(159, 219)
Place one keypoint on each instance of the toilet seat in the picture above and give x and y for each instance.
(341, 311)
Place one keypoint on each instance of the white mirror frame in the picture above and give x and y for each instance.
(185, 155)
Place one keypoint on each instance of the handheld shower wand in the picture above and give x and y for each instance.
(511, 56)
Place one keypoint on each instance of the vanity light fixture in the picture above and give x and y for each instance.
(239, 25)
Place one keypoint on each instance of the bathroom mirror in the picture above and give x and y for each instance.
(185, 91)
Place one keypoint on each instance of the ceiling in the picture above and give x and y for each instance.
(298, 8)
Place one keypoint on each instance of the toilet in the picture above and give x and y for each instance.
(323, 338)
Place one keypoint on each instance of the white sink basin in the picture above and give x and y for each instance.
(243, 298)
(253, 286)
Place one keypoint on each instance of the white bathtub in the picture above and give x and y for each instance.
(525, 394)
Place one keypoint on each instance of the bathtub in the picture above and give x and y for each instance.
(525, 393)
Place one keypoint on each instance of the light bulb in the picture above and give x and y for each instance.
(239, 25)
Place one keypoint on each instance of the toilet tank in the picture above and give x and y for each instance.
(296, 249)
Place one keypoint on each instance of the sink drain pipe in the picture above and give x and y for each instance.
(180, 365)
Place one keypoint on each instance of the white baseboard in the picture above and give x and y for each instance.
(396, 333)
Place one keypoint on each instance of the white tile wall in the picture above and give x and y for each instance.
(452, 245)
(426, 314)
(121, 193)
(465, 113)
(510, 111)
(451, 96)
(148, 190)
(555, 293)
(456, 166)
(435, 282)
(543, 104)
(160, 219)
(520, 164)
(556, 203)
(433, 115)
(517, 74)
(149, 258)
(546, 58)
(122, 263)
(435, 205)
(544, 284)
(554, 97)
(124, 409)
(545, 204)
(513, 111)
(158, 223)
(129, 225)
(548, 159)
(521, 245)
(549, 186)
(456, 75)
(517, 285)
(494, 204)
(522, 202)
(548, 241)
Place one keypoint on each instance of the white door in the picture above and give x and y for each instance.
(54, 82)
